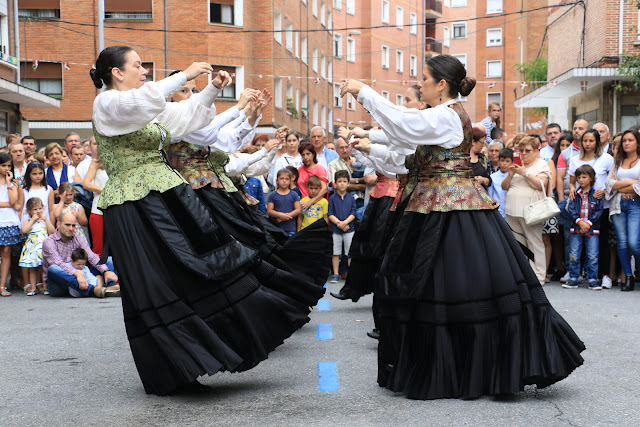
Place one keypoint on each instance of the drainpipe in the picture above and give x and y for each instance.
(620, 51)
(16, 36)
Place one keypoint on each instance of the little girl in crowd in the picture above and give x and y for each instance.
(294, 180)
(38, 227)
(66, 204)
(9, 220)
(35, 185)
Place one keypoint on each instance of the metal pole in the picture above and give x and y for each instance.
(16, 36)
(166, 39)
(100, 25)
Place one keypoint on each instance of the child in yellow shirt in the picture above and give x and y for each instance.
(317, 210)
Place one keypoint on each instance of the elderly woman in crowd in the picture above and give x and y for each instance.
(494, 155)
(310, 167)
(58, 171)
(479, 162)
(524, 185)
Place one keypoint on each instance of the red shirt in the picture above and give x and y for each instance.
(305, 173)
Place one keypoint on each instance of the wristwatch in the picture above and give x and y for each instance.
(526, 175)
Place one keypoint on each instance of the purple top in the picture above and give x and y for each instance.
(56, 251)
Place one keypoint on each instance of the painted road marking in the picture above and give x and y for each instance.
(324, 331)
(324, 305)
(326, 285)
(327, 376)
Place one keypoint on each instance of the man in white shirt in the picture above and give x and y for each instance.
(83, 167)
(345, 162)
(29, 144)
(77, 155)
(323, 154)
(16, 149)
(546, 150)
(603, 130)
(71, 140)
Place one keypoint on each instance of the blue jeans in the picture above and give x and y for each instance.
(576, 242)
(59, 281)
(565, 222)
(627, 224)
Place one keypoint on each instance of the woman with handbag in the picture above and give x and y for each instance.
(525, 184)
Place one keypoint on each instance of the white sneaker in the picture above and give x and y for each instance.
(565, 278)
(606, 282)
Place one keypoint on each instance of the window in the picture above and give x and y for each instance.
(303, 49)
(460, 30)
(297, 36)
(337, 99)
(447, 37)
(329, 20)
(413, 66)
(228, 12)
(36, 9)
(494, 97)
(351, 7)
(323, 117)
(304, 106)
(314, 8)
(330, 71)
(277, 26)
(150, 77)
(315, 60)
(290, 100)
(351, 102)
(413, 21)
(399, 99)
(337, 4)
(330, 119)
(399, 18)
(458, 3)
(4, 35)
(46, 79)
(385, 56)
(399, 61)
(323, 66)
(323, 18)
(289, 35)
(316, 113)
(494, 68)
(494, 37)
(277, 92)
(237, 81)
(385, 95)
(337, 45)
(385, 12)
(447, 3)
(351, 50)
(462, 58)
(494, 6)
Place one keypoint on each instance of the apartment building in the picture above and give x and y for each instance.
(13, 97)
(384, 48)
(585, 42)
(292, 59)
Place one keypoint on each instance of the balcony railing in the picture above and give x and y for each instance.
(433, 46)
(434, 6)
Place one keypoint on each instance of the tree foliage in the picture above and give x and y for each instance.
(534, 72)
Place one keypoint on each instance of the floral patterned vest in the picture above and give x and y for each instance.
(217, 160)
(191, 161)
(445, 180)
(385, 187)
(135, 165)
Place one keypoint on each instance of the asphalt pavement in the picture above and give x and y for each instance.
(66, 362)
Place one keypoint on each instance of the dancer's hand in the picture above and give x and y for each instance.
(264, 99)
(359, 132)
(247, 96)
(271, 144)
(351, 86)
(197, 68)
(363, 145)
(344, 133)
(223, 79)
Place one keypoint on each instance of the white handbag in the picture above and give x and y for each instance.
(541, 210)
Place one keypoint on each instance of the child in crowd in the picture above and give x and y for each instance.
(284, 204)
(342, 212)
(9, 220)
(38, 227)
(316, 211)
(585, 211)
(294, 180)
(66, 204)
(79, 259)
(35, 185)
(495, 190)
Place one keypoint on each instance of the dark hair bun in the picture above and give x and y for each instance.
(466, 85)
(97, 81)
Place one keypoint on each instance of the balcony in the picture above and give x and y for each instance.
(433, 47)
(433, 9)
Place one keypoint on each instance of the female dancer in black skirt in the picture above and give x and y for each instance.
(192, 296)
(484, 329)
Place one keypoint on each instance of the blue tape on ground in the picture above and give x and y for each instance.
(325, 285)
(324, 305)
(327, 376)
(324, 331)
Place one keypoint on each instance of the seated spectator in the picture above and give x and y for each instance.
(342, 213)
(284, 204)
(64, 280)
(495, 190)
(585, 211)
(79, 259)
(317, 210)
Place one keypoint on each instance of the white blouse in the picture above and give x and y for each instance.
(409, 127)
(121, 112)
(254, 164)
(210, 132)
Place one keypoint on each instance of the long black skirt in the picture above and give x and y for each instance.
(195, 300)
(463, 314)
(368, 246)
(306, 254)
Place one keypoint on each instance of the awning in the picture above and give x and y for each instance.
(25, 97)
(59, 125)
(567, 85)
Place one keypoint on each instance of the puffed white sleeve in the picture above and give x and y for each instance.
(409, 127)
(209, 134)
(263, 165)
(386, 161)
(120, 112)
(232, 134)
(239, 162)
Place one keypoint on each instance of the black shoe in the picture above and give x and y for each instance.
(557, 275)
(343, 295)
(629, 285)
(375, 334)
